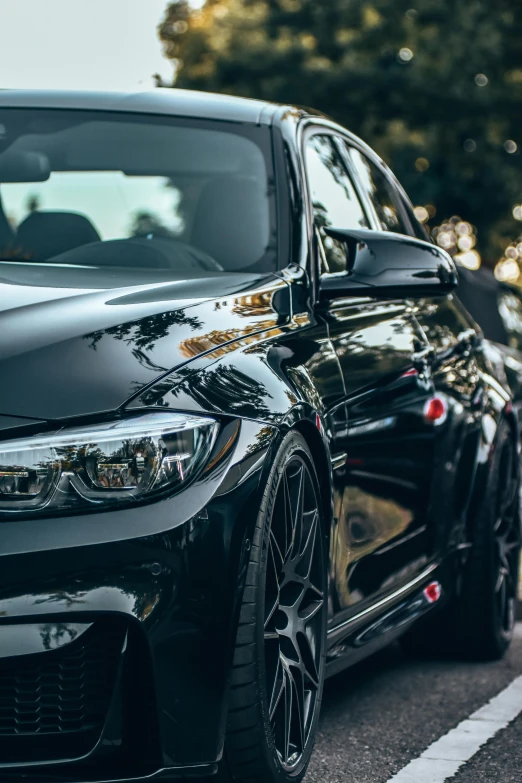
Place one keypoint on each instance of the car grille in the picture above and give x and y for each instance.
(62, 693)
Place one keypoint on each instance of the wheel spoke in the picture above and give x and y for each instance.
(312, 676)
(296, 504)
(307, 554)
(270, 614)
(501, 579)
(277, 690)
(299, 717)
(288, 516)
(308, 655)
(310, 611)
(277, 555)
(288, 716)
(316, 590)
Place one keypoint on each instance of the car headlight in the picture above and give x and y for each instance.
(112, 463)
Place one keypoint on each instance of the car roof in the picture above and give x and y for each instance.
(183, 103)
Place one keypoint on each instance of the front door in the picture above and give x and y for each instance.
(383, 529)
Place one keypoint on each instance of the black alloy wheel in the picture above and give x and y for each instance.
(506, 532)
(478, 622)
(294, 608)
(278, 668)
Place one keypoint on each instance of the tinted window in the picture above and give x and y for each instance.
(333, 197)
(380, 192)
(100, 189)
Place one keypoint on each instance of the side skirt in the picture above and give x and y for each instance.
(383, 622)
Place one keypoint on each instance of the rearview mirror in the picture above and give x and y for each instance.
(384, 264)
(24, 167)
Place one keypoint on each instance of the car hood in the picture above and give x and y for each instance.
(77, 341)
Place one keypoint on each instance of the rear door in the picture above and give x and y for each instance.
(382, 533)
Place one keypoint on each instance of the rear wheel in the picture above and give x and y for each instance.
(479, 622)
(278, 668)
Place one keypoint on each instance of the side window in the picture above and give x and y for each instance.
(334, 200)
(380, 192)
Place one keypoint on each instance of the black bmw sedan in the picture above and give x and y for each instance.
(249, 436)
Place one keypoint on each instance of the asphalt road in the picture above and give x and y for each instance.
(383, 713)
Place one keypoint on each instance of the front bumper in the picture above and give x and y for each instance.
(116, 631)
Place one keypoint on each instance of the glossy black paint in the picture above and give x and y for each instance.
(263, 354)
(141, 329)
(497, 309)
(384, 264)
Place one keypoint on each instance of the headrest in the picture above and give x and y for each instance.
(232, 221)
(43, 235)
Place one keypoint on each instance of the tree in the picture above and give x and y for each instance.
(435, 88)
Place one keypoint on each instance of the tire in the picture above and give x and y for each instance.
(276, 672)
(478, 623)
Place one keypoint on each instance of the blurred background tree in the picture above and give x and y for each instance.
(435, 88)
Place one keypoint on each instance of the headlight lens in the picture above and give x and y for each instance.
(111, 463)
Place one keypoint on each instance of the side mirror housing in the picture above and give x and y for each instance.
(388, 265)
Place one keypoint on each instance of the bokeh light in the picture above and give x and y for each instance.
(507, 270)
(422, 164)
(509, 267)
(422, 214)
(458, 238)
(471, 259)
(481, 80)
(405, 55)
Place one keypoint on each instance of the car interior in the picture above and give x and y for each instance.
(134, 194)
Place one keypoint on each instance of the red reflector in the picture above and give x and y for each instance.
(432, 592)
(410, 373)
(435, 409)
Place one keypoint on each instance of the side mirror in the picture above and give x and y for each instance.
(387, 265)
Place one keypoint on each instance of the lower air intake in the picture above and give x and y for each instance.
(53, 705)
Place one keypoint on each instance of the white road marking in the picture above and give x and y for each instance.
(445, 756)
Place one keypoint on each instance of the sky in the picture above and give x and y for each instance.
(81, 44)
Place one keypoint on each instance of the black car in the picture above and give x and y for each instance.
(497, 308)
(249, 436)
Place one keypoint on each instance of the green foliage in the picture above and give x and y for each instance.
(405, 75)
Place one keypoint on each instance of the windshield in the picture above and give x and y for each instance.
(97, 189)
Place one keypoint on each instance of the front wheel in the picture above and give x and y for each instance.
(278, 667)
